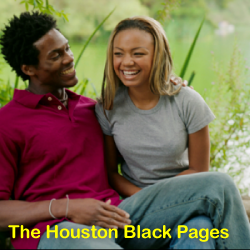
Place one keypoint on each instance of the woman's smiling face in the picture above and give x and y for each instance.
(133, 53)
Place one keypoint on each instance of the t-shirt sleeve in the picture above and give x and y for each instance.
(194, 111)
(104, 123)
(8, 166)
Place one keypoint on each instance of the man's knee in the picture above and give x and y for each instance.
(69, 235)
(200, 222)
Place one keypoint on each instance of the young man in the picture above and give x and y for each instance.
(52, 165)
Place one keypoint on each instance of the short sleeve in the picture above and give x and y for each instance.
(8, 166)
(104, 123)
(193, 109)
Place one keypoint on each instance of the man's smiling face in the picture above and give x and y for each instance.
(56, 62)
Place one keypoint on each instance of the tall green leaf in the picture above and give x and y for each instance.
(47, 4)
(16, 82)
(84, 85)
(191, 78)
(91, 36)
(190, 52)
(94, 88)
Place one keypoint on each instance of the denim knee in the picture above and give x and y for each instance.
(222, 180)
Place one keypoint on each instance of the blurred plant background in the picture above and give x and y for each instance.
(218, 65)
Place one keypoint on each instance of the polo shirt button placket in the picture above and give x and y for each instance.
(50, 98)
(59, 107)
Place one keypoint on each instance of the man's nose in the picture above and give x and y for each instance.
(68, 58)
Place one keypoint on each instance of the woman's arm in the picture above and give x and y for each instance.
(118, 182)
(198, 152)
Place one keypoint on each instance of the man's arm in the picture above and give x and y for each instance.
(15, 212)
(82, 211)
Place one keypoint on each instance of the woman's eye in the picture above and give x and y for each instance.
(139, 54)
(117, 53)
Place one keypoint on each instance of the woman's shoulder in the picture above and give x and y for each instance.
(187, 96)
(118, 102)
(187, 92)
(193, 109)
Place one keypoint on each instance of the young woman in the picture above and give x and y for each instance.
(160, 130)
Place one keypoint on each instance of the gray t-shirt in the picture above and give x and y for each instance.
(154, 143)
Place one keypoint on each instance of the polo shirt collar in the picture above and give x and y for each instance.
(31, 100)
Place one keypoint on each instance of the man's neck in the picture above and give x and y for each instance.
(38, 90)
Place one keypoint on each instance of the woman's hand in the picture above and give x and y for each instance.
(94, 212)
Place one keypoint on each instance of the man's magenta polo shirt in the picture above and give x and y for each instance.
(48, 151)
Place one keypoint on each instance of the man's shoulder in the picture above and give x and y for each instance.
(82, 98)
(8, 109)
(9, 115)
(86, 99)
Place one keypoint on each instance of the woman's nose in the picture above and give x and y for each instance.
(128, 60)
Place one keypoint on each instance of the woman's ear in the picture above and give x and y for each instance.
(28, 69)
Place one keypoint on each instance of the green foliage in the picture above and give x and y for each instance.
(6, 91)
(85, 82)
(190, 52)
(85, 15)
(43, 7)
(191, 78)
(91, 36)
(229, 133)
(82, 88)
(190, 9)
(166, 8)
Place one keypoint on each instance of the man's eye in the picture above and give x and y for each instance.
(68, 48)
(55, 56)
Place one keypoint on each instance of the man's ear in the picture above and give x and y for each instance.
(28, 69)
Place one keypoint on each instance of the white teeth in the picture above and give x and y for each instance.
(130, 72)
(68, 71)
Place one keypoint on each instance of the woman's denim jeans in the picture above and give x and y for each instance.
(184, 200)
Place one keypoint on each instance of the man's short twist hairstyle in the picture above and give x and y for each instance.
(19, 36)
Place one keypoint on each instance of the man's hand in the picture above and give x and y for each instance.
(177, 80)
(94, 212)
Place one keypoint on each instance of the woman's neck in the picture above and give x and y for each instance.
(143, 98)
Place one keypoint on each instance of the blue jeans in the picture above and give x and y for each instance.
(184, 242)
(173, 202)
